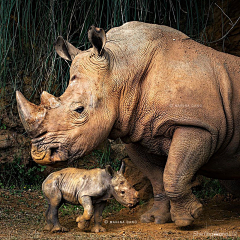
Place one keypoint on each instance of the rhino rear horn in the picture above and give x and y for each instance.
(30, 114)
(97, 37)
(122, 169)
(49, 101)
(65, 49)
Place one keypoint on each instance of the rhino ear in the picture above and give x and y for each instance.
(110, 171)
(97, 37)
(65, 49)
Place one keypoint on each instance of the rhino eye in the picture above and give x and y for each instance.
(73, 77)
(79, 109)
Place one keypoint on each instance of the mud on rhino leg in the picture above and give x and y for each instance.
(152, 166)
(98, 209)
(54, 203)
(84, 220)
(190, 149)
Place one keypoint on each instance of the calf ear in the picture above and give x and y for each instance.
(65, 49)
(109, 170)
(122, 169)
(97, 37)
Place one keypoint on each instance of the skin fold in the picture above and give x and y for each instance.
(174, 102)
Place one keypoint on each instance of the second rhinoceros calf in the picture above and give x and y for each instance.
(91, 189)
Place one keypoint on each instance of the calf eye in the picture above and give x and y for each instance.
(122, 192)
(79, 109)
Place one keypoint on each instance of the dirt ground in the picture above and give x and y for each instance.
(21, 217)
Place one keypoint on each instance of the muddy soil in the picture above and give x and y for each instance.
(21, 217)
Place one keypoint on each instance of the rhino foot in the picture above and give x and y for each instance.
(59, 229)
(84, 224)
(185, 216)
(157, 215)
(98, 228)
(48, 228)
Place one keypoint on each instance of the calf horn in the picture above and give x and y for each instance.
(122, 169)
(30, 114)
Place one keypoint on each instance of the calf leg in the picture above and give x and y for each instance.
(152, 166)
(54, 199)
(49, 225)
(84, 220)
(98, 209)
(190, 149)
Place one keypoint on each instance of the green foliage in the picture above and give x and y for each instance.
(17, 175)
(3, 127)
(103, 158)
(113, 206)
(69, 210)
(208, 188)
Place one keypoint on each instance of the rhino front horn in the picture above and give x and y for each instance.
(30, 114)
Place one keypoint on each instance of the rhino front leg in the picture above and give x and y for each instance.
(98, 209)
(152, 166)
(190, 149)
(84, 220)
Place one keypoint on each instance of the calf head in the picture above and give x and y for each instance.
(73, 124)
(121, 189)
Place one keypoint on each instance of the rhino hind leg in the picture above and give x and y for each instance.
(152, 166)
(190, 149)
(54, 198)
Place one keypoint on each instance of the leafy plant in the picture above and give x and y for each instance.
(113, 206)
(68, 209)
(208, 188)
(17, 175)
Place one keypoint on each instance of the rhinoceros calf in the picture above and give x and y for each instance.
(91, 189)
(173, 101)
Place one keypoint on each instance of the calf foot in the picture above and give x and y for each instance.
(59, 228)
(159, 213)
(48, 227)
(83, 224)
(185, 210)
(98, 228)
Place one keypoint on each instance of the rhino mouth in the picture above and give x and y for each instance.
(52, 154)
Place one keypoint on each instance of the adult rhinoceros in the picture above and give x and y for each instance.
(174, 102)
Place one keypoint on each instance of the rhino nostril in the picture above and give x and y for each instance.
(54, 150)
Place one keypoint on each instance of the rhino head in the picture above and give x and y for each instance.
(122, 191)
(70, 126)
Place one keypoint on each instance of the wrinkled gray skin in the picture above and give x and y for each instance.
(91, 189)
(174, 102)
